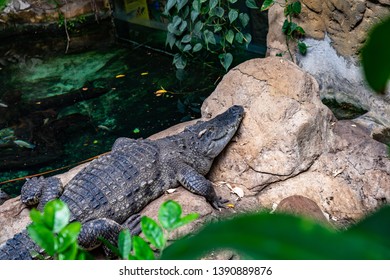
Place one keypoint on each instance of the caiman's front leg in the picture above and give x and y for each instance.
(197, 183)
(40, 191)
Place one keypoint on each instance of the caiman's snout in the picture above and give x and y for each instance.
(237, 111)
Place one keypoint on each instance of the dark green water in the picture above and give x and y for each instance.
(65, 135)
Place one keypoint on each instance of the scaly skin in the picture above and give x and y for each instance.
(107, 194)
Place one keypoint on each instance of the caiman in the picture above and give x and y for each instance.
(107, 194)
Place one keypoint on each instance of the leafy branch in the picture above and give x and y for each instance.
(292, 30)
(201, 27)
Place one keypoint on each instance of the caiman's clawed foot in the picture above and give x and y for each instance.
(219, 203)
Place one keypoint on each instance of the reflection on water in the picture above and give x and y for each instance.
(58, 109)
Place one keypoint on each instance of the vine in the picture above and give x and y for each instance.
(292, 30)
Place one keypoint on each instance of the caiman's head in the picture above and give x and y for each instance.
(212, 136)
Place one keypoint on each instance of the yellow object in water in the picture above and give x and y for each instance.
(144, 73)
(120, 76)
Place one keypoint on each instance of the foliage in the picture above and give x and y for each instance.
(254, 236)
(3, 3)
(52, 231)
(280, 236)
(135, 248)
(376, 57)
(71, 24)
(292, 30)
(212, 26)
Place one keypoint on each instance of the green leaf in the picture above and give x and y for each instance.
(43, 237)
(302, 47)
(37, 217)
(244, 18)
(374, 227)
(198, 28)
(230, 36)
(186, 220)
(217, 28)
(219, 12)
(56, 215)
(197, 47)
(196, 6)
(141, 249)
(124, 244)
(181, 4)
(209, 37)
(194, 15)
(171, 40)
(267, 4)
(169, 214)
(247, 39)
(187, 48)
(232, 1)
(183, 26)
(239, 37)
(213, 4)
(68, 236)
(226, 60)
(70, 253)
(264, 236)
(153, 232)
(376, 57)
(296, 8)
(300, 30)
(233, 15)
(186, 38)
(179, 61)
(286, 26)
(169, 6)
(251, 4)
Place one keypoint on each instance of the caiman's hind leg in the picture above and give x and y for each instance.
(92, 231)
(40, 191)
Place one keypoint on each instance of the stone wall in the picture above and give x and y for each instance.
(335, 33)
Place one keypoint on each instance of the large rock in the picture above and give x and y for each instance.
(288, 144)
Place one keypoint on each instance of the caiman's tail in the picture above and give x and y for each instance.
(18, 248)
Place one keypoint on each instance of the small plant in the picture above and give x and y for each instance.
(136, 248)
(291, 29)
(214, 26)
(52, 231)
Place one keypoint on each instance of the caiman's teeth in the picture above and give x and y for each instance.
(202, 133)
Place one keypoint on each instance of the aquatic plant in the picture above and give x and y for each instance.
(204, 27)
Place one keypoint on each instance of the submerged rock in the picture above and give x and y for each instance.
(288, 144)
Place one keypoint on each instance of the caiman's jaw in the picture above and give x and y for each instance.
(215, 134)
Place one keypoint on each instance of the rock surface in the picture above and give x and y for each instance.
(288, 144)
(335, 32)
(45, 12)
(346, 22)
